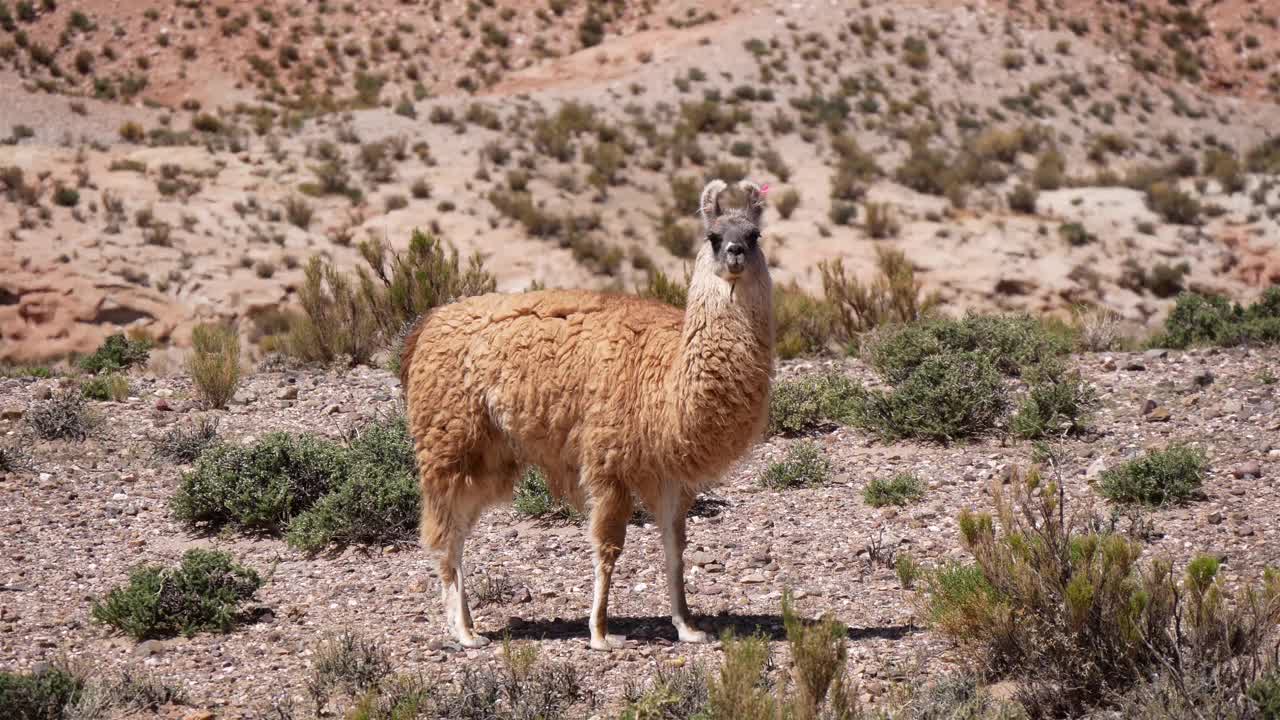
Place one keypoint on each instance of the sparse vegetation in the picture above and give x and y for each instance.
(901, 489)
(809, 403)
(803, 466)
(316, 492)
(533, 499)
(62, 417)
(185, 443)
(1160, 477)
(1214, 320)
(115, 354)
(214, 363)
(108, 386)
(204, 593)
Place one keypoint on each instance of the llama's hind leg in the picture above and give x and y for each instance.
(671, 520)
(609, 515)
(454, 593)
(445, 526)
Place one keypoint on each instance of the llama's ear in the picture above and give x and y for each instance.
(755, 200)
(709, 206)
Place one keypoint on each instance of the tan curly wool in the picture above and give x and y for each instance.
(610, 388)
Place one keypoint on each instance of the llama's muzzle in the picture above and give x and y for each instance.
(735, 258)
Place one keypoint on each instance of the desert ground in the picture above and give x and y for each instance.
(170, 165)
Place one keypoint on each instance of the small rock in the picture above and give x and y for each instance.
(1155, 354)
(43, 392)
(1204, 378)
(1244, 531)
(148, 648)
(701, 558)
(1214, 518)
(12, 413)
(1109, 365)
(523, 596)
(1148, 405)
(198, 715)
(752, 578)
(1250, 470)
(1232, 407)
(711, 590)
(1135, 366)
(1160, 414)
(1096, 468)
(420, 585)
(243, 397)
(288, 393)
(330, 409)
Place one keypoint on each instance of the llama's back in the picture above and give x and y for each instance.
(497, 380)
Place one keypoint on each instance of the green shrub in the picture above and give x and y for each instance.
(788, 201)
(214, 363)
(673, 694)
(350, 319)
(316, 492)
(803, 324)
(1161, 477)
(375, 502)
(1058, 402)
(116, 353)
(1060, 605)
(1265, 693)
(110, 386)
(46, 695)
(1173, 205)
(204, 593)
(185, 444)
(803, 466)
(533, 499)
(1213, 320)
(946, 397)
(809, 403)
(62, 417)
(1010, 342)
(348, 663)
(666, 289)
(1023, 199)
(901, 489)
(895, 295)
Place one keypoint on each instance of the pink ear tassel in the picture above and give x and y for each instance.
(764, 189)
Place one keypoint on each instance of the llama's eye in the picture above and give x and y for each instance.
(715, 241)
(753, 237)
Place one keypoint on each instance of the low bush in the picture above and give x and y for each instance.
(894, 296)
(1010, 343)
(65, 416)
(803, 466)
(110, 386)
(901, 489)
(316, 492)
(1062, 606)
(533, 499)
(788, 201)
(214, 363)
(116, 353)
(185, 443)
(352, 319)
(666, 289)
(520, 687)
(47, 695)
(803, 324)
(1058, 402)
(810, 403)
(1172, 204)
(203, 593)
(1161, 477)
(68, 693)
(1214, 320)
(946, 397)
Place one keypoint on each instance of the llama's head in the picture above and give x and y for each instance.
(733, 233)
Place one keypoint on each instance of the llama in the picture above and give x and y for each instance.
(617, 399)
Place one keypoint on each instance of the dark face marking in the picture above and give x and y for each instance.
(735, 243)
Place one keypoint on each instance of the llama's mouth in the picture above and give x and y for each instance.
(735, 268)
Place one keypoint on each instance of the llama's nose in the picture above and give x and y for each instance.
(736, 252)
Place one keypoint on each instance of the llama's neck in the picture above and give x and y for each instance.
(720, 382)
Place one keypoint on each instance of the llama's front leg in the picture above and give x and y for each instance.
(672, 523)
(457, 612)
(609, 516)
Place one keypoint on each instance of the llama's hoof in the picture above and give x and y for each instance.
(691, 635)
(608, 642)
(473, 641)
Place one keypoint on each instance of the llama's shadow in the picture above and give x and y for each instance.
(658, 628)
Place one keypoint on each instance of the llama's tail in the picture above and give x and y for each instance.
(407, 350)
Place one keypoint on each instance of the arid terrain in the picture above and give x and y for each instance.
(164, 165)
